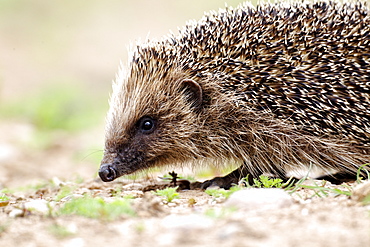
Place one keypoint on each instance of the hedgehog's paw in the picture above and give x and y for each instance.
(220, 182)
(339, 177)
(229, 180)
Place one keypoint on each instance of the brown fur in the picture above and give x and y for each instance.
(283, 89)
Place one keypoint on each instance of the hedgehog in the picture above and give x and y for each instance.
(273, 88)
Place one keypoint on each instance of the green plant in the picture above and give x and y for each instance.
(98, 208)
(319, 190)
(362, 170)
(292, 186)
(169, 193)
(366, 200)
(222, 192)
(265, 182)
(64, 191)
(3, 198)
(29, 188)
(139, 227)
(217, 213)
(116, 192)
(60, 231)
(322, 191)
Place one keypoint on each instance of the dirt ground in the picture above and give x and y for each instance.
(330, 221)
(302, 218)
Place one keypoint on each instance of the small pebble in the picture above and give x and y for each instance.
(259, 199)
(16, 213)
(57, 182)
(187, 222)
(37, 205)
(171, 204)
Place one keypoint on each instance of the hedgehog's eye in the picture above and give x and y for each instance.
(146, 125)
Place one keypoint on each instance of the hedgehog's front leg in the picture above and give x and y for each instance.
(230, 179)
(241, 172)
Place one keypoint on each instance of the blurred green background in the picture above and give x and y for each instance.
(57, 61)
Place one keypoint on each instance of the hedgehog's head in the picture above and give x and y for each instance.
(151, 122)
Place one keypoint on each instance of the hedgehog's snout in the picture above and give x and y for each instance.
(107, 173)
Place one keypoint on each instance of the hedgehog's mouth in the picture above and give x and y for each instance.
(107, 173)
(110, 171)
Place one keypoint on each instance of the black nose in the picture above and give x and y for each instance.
(107, 173)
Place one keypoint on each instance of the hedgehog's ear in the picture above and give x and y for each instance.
(193, 91)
